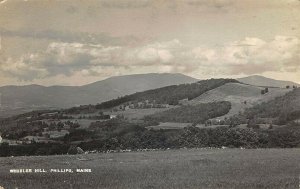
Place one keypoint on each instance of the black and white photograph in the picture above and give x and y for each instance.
(149, 94)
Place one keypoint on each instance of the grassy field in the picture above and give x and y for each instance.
(132, 114)
(185, 168)
(169, 125)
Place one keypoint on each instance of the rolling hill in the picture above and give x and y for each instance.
(258, 80)
(171, 95)
(36, 96)
(20, 99)
(240, 95)
(285, 108)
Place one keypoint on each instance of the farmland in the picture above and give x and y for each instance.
(169, 125)
(134, 114)
(184, 168)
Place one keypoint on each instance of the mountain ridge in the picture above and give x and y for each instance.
(32, 96)
(259, 80)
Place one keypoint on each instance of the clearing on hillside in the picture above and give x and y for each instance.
(240, 96)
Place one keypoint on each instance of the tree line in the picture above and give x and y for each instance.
(196, 114)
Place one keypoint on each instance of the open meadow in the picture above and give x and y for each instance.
(184, 168)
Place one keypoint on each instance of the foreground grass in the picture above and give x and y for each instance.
(193, 168)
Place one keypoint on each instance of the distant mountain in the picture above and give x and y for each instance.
(36, 96)
(264, 81)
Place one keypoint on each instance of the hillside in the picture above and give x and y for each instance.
(196, 114)
(171, 95)
(284, 108)
(240, 95)
(36, 96)
(162, 99)
(20, 99)
(258, 80)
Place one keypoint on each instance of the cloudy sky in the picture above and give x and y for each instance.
(74, 42)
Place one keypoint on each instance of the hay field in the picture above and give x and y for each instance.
(169, 125)
(184, 168)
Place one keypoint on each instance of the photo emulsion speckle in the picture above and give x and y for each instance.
(149, 94)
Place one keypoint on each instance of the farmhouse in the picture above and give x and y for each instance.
(112, 116)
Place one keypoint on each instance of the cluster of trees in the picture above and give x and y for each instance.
(168, 95)
(79, 135)
(22, 129)
(119, 134)
(123, 135)
(31, 119)
(140, 139)
(220, 136)
(192, 137)
(53, 126)
(83, 109)
(264, 91)
(192, 113)
(294, 87)
(95, 117)
(231, 121)
(114, 127)
(286, 137)
(33, 149)
(235, 137)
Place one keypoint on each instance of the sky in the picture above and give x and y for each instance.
(75, 42)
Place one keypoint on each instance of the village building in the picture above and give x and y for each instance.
(112, 116)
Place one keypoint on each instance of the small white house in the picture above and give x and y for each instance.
(112, 116)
